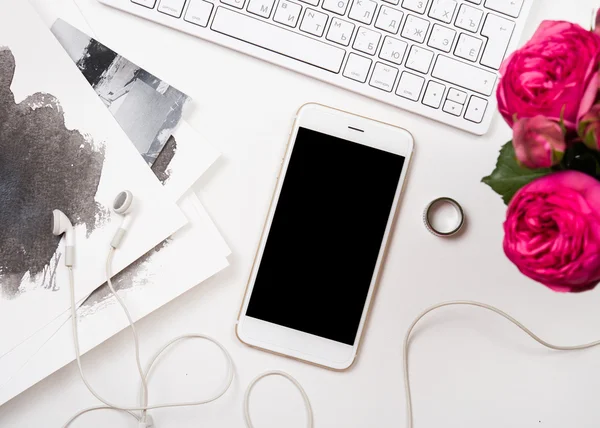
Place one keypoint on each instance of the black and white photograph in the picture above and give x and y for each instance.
(146, 108)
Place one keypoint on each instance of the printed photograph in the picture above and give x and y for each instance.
(146, 108)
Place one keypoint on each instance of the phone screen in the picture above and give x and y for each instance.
(326, 235)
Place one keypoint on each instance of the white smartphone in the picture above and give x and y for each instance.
(325, 237)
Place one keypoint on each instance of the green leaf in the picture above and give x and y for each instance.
(582, 127)
(590, 140)
(563, 127)
(509, 176)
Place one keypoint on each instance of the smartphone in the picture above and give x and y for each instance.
(325, 237)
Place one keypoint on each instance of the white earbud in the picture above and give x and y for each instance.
(122, 205)
(62, 225)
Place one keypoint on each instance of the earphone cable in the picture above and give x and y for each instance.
(249, 389)
(144, 375)
(75, 332)
(109, 261)
(145, 407)
(409, 407)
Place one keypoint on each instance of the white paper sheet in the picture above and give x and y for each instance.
(193, 156)
(189, 259)
(43, 68)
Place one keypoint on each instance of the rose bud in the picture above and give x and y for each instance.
(539, 142)
(589, 128)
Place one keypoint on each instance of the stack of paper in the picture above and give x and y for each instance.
(149, 113)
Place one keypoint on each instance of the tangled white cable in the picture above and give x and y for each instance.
(145, 420)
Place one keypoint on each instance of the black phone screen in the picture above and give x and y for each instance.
(326, 235)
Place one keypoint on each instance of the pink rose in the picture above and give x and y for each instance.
(552, 231)
(557, 68)
(539, 142)
(589, 128)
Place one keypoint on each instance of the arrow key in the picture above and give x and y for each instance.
(434, 94)
(453, 108)
(476, 109)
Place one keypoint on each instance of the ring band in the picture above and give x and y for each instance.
(437, 202)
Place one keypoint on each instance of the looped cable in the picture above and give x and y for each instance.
(307, 406)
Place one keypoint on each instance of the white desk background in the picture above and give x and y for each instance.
(469, 368)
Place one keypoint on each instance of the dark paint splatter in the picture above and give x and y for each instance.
(43, 166)
(161, 164)
(125, 279)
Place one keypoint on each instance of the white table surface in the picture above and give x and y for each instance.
(469, 368)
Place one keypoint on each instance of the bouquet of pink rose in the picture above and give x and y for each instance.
(549, 174)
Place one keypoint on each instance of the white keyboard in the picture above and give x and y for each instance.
(437, 58)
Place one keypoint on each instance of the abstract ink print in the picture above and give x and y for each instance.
(147, 108)
(43, 166)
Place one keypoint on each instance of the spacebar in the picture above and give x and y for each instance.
(279, 40)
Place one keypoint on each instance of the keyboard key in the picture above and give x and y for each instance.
(393, 50)
(383, 77)
(507, 7)
(415, 29)
(171, 7)
(261, 7)
(464, 75)
(363, 11)
(235, 3)
(443, 10)
(469, 18)
(468, 47)
(147, 3)
(453, 108)
(357, 68)
(335, 6)
(278, 40)
(313, 22)
(340, 32)
(419, 59)
(397, 46)
(287, 13)
(441, 38)
(198, 12)
(410, 86)
(434, 94)
(366, 41)
(498, 31)
(476, 109)
(418, 6)
(389, 19)
(457, 96)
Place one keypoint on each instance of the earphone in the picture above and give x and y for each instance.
(123, 205)
(62, 225)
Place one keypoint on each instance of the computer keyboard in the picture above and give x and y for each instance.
(436, 58)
